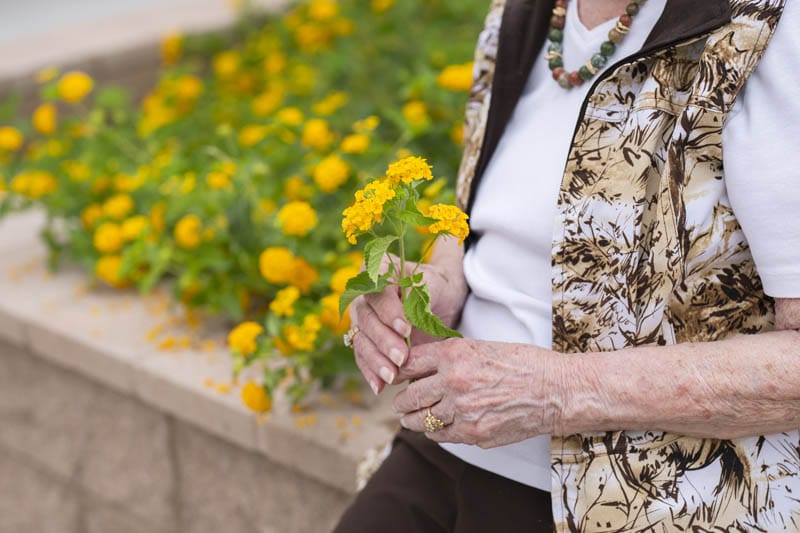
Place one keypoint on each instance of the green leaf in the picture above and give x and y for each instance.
(358, 285)
(374, 252)
(415, 218)
(417, 308)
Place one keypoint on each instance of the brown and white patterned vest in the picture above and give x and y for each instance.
(647, 250)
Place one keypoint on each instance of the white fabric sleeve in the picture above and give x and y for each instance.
(761, 157)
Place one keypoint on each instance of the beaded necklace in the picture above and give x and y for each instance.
(555, 59)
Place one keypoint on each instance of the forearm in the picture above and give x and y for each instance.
(747, 385)
(449, 256)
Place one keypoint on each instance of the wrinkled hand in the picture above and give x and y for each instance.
(380, 347)
(487, 393)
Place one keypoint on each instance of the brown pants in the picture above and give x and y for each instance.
(421, 488)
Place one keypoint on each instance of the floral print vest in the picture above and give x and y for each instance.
(647, 250)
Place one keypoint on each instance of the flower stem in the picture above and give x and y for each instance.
(402, 246)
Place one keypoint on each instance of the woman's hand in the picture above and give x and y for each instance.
(487, 393)
(380, 346)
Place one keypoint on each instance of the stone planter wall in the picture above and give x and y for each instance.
(102, 432)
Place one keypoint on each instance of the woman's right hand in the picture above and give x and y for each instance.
(380, 347)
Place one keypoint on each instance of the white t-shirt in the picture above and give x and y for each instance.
(509, 270)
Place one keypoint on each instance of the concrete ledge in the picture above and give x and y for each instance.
(102, 335)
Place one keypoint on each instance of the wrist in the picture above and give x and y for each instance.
(580, 403)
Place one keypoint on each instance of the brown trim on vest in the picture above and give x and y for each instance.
(523, 32)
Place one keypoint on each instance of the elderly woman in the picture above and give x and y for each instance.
(630, 295)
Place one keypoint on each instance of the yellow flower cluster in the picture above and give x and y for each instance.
(133, 227)
(367, 209)
(34, 184)
(118, 206)
(340, 278)
(416, 113)
(108, 270)
(255, 398)
(74, 86)
(10, 139)
(188, 232)
(317, 134)
(108, 238)
(456, 77)
(302, 337)
(45, 119)
(297, 218)
(356, 143)
(331, 173)
(283, 304)
(243, 337)
(329, 315)
(276, 264)
(450, 220)
(408, 170)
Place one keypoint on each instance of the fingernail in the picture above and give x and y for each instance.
(386, 374)
(403, 423)
(396, 356)
(374, 387)
(401, 327)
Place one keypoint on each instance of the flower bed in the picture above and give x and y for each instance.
(230, 178)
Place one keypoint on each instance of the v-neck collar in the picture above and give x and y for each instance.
(523, 32)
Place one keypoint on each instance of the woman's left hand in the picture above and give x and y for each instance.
(486, 393)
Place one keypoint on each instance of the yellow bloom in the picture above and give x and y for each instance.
(330, 104)
(302, 79)
(118, 206)
(294, 188)
(317, 134)
(331, 173)
(381, 6)
(283, 304)
(456, 78)
(171, 48)
(267, 102)
(188, 231)
(226, 64)
(312, 37)
(416, 113)
(108, 238)
(218, 180)
(243, 337)
(275, 62)
(366, 125)
(254, 397)
(303, 275)
(77, 171)
(291, 116)
(90, 215)
(434, 189)
(45, 119)
(341, 277)
(34, 184)
(252, 135)
(133, 227)
(367, 210)
(55, 148)
(107, 269)
(188, 88)
(297, 218)
(357, 143)
(408, 170)
(10, 139)
(323, 9)
(74, 86)
(276, 264)
(329, 315)
(302, 337)
(450, 220)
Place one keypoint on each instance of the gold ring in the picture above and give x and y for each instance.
(350, 336)
(433, 423)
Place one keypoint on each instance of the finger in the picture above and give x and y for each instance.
(419, 395)
(388, 342)
(448, 434)
(369, 358)
(389, 308)
(415, 421)
(423, 360)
